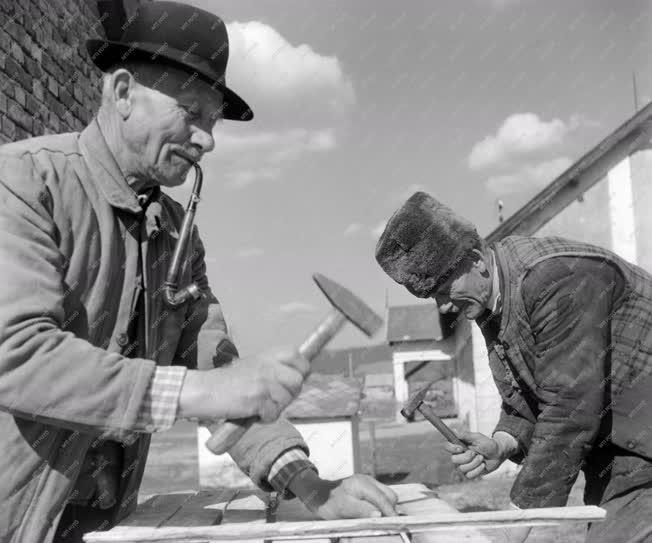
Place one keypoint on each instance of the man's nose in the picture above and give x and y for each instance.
(202, 138)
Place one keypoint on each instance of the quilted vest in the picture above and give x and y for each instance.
(630, 385)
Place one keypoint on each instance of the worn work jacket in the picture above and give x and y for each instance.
(69, 248)
(529, 390)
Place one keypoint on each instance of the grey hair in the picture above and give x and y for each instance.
(139, 69)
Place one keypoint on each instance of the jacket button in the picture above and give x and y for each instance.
(631, 444)
(122, 340)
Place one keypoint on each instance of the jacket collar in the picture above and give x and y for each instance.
(106, 174)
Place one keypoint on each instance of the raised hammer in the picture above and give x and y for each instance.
(346, 307)
(415, 403)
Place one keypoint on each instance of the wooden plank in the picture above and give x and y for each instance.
(157, 510)
(370, 527)
(206, 508)
(248, 507)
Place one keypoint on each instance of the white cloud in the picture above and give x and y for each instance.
(352, 229)
(295, 307)
(500, 4)
(299, 98)
(282, 81)
(377, 230)
(250, 252)
(520, 134)
(238, 179)
(534, 175)
(266, 152)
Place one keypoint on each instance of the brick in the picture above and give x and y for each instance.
(55, 105)
(32, 106)
(17, 114)
(8, 128)
(16, 72)
(19, 95)
(53, 86)
(37, 89)
(4, 139)
(3, 103)
(78, 93)
(5, 40)
(38, 128)
(33, 68)
(66, 98)
(12, 29)
(7, 85)
(17, 52)
(37, 53)
(54, 122)
(22, 134)
(26, 42)
(48, 64)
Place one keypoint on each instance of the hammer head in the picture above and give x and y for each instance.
(352, 307)
(415, 401)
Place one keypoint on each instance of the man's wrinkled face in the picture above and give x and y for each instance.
(467, 289)
(171, 121)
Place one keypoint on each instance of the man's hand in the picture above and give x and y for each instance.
(260, 385)
(483, 454)
(358, 496)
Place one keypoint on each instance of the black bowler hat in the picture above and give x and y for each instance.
(183, 36)
(423, 242)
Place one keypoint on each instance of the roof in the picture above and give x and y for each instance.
(326, 396)
(413, 323)
(632, 135)
(337, 360)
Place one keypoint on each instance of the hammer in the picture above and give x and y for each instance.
(346, 307)
(415, 403)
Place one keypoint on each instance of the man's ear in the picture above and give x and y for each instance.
(479, 262)
(123, 84)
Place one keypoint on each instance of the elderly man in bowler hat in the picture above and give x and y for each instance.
(568, 328)
(91, 360)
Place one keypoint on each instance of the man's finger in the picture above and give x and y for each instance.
(476, 472)
(372, 494)
(453, 448)
(391, 495)
(474, 463)
(463, 458)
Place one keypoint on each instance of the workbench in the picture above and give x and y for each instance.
(251, 516)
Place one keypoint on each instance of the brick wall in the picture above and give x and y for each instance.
(48, 83)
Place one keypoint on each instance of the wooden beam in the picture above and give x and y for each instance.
(351, 527)
(630, 137)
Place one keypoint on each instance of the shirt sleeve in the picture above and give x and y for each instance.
(566, 302)
(289, 463)
(161, 402)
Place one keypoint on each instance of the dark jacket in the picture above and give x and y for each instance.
(571, 359)
(68, 247)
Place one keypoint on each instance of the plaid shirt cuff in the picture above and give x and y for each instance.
(161, 402)
(285, 467)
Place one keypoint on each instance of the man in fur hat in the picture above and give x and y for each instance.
(92, 357)
(568, 328)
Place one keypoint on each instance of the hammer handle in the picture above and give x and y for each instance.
(429, 414)
(227, 434)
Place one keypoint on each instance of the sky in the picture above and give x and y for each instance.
(358, 104)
